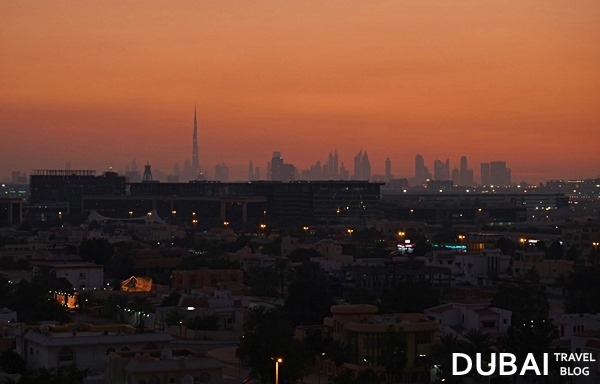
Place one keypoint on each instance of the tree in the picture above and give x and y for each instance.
(410, 297)
(141, 307)
(68, 374)
(174, 317)
(269, 334)
(581, 286)
(441, 357)
(83, 298)
(11, 362)
(117, 304)
(393, 354)
(204, 323)
(309, 298)
(263, 281)
(97, 251)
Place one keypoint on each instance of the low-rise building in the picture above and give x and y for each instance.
(84, 346)
(162, 367)
(460, 317)
(366, 333)
(81, 275)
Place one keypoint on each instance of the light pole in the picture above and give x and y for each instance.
(277, 362)
(523, 241)
(595, 244)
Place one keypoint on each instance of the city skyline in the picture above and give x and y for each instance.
(96, 87)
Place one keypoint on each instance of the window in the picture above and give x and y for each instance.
(65, 355)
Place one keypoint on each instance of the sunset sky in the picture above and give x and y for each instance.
(98, 83)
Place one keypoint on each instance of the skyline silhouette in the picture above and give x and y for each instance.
(98, 86)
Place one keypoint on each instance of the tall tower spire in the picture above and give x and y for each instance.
(195, 161)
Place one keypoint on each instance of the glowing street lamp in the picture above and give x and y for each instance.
(278, 361)
(226, 223)
(523, 241)
(595, 244)
(130, 214)
(461, 238)
(401, 234)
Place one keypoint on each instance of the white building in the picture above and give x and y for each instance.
(52, 348)
(472, 268)
(460, 317)
(162, 367)
(79, 274)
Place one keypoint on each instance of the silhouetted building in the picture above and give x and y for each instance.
(67, 187)
(277, 204)
(195, 160)
(465, 174)
(147, 173)
(222, 172)
(362, 166)
(499, 174)
(281, 171)
(388, 169)
(485, 174)
(11, 212)
(421, 171)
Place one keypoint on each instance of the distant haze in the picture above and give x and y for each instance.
(97, 84)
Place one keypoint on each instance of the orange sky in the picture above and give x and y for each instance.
(99, 83)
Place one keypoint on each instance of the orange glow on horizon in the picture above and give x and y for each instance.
(98, 84)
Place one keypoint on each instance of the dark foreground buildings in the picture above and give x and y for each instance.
(207, 204)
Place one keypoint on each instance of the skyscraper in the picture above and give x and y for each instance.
(485, 174)
(362, 166)
(421, 171)
(465, 174)
(195, 161)
(499, 174)
(222, 172)
(388, 169)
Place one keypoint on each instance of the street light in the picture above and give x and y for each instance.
(523, 241)
(226, 223)
(130, 214)
(595, 244)
(401, 234)
(461, 238)
(278, 361)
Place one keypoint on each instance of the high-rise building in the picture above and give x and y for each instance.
(465, 174)
(195, 160)
(251, 171)
(485, 174)
(362, 166)
(388, 169)
(147, 173)
(499, 173)
(222, 172)
(281, 171)
(455, 176)
(421, 171)
(439, 170)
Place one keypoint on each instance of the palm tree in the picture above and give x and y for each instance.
(141, 307)
(83, 297)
